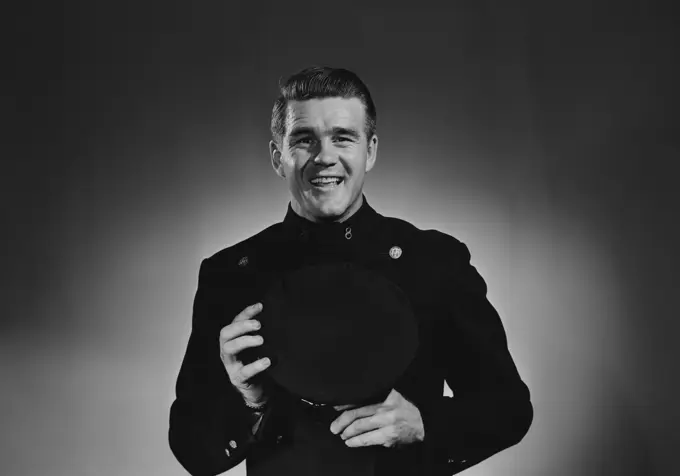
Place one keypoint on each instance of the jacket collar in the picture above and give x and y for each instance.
(361, 221)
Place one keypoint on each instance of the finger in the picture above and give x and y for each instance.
(238, 328)
(347, 417)
(249, 371)
(364, 425)
(231, 348)
(248, 312)
(381, 437)
(229, 351)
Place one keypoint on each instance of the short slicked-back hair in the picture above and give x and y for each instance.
(316, 83)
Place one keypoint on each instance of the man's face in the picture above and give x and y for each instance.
(325, 137)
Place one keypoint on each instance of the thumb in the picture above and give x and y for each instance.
(393, 397)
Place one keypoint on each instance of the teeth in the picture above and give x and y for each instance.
(317, 181)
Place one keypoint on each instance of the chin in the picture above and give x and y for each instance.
(331, 208)
(330, 211)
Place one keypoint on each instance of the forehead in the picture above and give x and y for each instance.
(326, 113)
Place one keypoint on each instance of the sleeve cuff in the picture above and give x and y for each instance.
(462, 432)
(440, 443)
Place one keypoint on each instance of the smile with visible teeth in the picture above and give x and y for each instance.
(326, 181)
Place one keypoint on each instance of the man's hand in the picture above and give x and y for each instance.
(395, 422)
(233, 341)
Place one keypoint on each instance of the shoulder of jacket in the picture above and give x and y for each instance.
(230, 256)
(431, 237)
(436, 247)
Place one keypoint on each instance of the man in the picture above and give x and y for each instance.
(324, 142)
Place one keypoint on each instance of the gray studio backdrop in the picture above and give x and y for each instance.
(536, 132)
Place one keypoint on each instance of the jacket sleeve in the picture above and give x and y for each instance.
(490, 409)
(210, 427)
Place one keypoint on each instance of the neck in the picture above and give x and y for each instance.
(351, 210)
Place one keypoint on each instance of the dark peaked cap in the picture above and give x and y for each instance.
(337, 333)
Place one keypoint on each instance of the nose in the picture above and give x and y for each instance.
(327, 154)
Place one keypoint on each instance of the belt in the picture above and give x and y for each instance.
(318, 412)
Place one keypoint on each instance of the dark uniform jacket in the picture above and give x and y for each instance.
(462, 342)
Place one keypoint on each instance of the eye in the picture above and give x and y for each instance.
(303, 141)
(343, 139)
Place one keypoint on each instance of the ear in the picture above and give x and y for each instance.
(371, 152)
(275, 154)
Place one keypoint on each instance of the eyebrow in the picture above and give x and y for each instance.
(343, 131)
(300, 131)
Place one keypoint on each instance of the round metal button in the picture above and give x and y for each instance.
(395, 252)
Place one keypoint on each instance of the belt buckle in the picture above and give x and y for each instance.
(319, 412)
(313, 404)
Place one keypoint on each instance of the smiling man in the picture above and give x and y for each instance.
(320, 346)
(327, 147)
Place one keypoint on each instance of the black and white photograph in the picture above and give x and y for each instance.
(341, 239)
